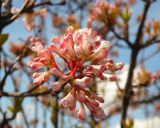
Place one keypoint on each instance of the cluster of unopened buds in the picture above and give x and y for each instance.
(104, 12)
(85, 56)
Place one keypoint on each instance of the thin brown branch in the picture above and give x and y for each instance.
(140, 28)
(26, 7)
(48, 3)
(146, 101)
(118, 108)
(15, 16)
(149, 43)
(11, 67)
(5, 121)
(10, 70)
(140, 85)
(25, 94)
(25, 118)
(122, 38)
(118, 86)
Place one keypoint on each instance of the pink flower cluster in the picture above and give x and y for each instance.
(104, 12)
(85, 55)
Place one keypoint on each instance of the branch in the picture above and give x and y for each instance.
(146, 101)
(135, 50)
(11, 67)
(140, 85)
(11, 19)
(127, 90)
(118, 86)
(122, 38)
(25, 117)
(140, 28)
(26, 94)
(24, 9)
(139, 102)
(5, 121)
(149, 43)
(10, 70)
(63, 2)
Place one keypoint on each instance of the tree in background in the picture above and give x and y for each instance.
(71, 67)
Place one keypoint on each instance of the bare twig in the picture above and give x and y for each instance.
(25, 118)
(140, 28)
(10, 70)
(118, 108)
(122, 38)
(26, 7)
(26, 2)
(150, 42)
(25, 94)
(11, 67)
(48, 3)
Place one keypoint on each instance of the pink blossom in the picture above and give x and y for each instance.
(85, 56)
(81, 97)
(38, 47)
(84, 82)
(40, 77)
(59, 73)
(110, 77)
(101, 52)
(55, 40)
(100, 114)
(36, 65)
(56, 86)
(81, 113)
(69, 101)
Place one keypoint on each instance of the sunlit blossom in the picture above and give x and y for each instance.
(85, 54)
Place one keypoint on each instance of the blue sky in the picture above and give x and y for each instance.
(17, 31)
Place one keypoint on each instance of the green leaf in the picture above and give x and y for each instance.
(3, 38)
(11, 108)
(126, 15)
(130, 123)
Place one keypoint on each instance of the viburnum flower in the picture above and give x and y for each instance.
(85, 56)
(16, 48)
(29, 18)
(104, 12)
(57, 20)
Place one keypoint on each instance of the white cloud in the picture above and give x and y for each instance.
(110, 92)
(110, 88)
(19, 118)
